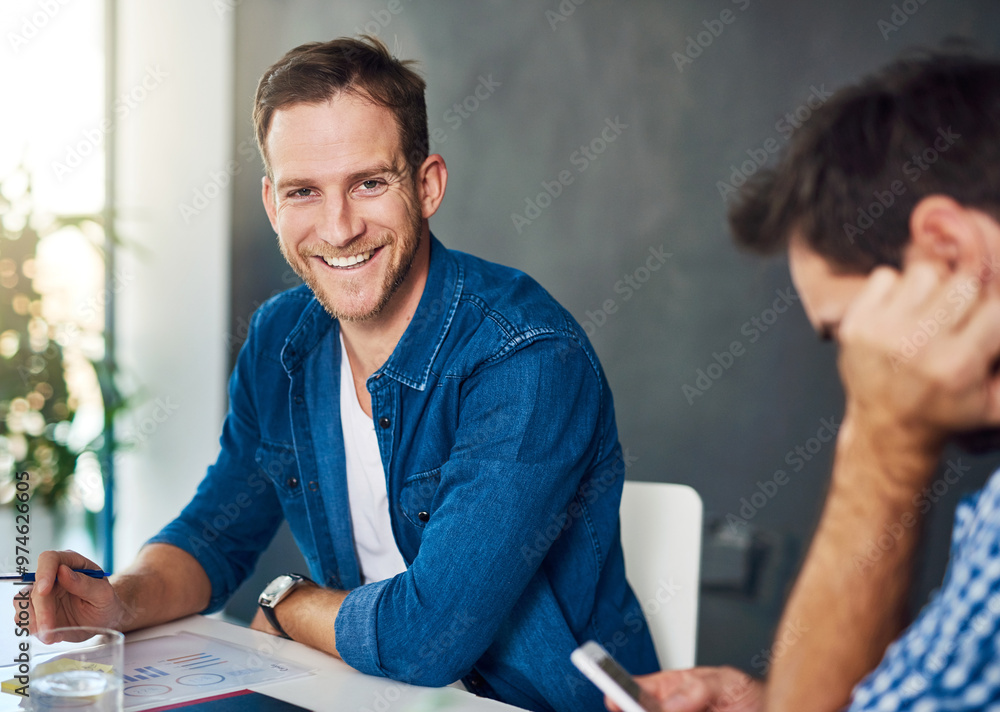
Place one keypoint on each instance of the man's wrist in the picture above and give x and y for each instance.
(885, 459)
(278, 591)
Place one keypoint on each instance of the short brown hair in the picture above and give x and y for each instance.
(315, 72)
(851, 176)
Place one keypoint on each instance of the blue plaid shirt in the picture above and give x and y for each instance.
(949, 659)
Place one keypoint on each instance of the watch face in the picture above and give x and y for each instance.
(277, 588)
(277, 585)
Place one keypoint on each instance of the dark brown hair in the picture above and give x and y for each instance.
(315, 72)
(851, 176)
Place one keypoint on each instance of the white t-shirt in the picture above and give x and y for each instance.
(378, 555)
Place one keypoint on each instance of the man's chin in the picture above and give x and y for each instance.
(979, 442)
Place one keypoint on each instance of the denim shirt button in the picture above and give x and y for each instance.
(313, 485)
(423, 516)
(292, 482)
(298, 400)
(384, 423)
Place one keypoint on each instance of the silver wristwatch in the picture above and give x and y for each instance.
(275, 592)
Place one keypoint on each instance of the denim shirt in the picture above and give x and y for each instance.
(503, 470)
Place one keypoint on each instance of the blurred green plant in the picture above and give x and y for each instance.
(37, 408)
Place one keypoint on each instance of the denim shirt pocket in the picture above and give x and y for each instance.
(416, 498)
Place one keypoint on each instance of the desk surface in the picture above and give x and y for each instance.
(334, 686)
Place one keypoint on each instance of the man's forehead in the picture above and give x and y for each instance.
(344, 116)
(345, 133)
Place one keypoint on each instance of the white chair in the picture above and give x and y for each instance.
(661, 538)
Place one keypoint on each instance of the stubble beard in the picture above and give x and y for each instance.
(394, 279)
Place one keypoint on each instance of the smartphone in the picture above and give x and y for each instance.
(604, 671)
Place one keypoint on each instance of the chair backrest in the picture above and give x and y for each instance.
(661, 538)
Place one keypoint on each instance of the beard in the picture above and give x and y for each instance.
(406, 242)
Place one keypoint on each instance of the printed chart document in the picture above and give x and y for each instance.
(185, 666)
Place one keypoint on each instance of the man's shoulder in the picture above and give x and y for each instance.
(502, 310)
(277, 317)
(512, 296)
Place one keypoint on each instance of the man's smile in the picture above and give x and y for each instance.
(351, 261)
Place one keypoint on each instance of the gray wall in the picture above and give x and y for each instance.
(558, 73)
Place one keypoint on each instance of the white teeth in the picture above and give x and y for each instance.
(348, 261)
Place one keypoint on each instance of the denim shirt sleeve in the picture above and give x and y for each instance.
(525, 437)
(235, 512)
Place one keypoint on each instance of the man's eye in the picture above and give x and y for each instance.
(303, 192)
(370, 184)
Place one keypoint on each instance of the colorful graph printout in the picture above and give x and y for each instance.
(186, 666)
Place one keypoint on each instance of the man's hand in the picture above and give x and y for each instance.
(61, 597)
(164, 583)
(722, 689)
(917, 351)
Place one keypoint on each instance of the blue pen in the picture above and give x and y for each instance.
(30, 577)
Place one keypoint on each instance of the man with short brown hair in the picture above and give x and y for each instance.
(888, 204)
(436, 429)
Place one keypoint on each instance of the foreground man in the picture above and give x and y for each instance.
(436, 429)
(888, 203)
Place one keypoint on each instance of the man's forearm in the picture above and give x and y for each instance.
(163, 584)
(848, 605)
(308, 615)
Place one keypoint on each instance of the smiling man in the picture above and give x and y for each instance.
(435, 428)
(888, 204)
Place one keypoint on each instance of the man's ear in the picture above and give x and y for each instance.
(944, 231)
(432, 179)
(267, 195)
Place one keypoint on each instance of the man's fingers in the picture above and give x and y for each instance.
(92, 590)
(692, 696)
(49, 563)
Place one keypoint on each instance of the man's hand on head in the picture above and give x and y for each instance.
(917, 351)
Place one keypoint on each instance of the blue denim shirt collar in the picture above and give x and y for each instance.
(411, 360)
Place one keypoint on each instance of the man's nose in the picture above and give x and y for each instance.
(339, 222)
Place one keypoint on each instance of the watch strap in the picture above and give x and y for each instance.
(272, 618)
(268, 610)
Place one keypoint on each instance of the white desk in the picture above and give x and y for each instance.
(334, 686)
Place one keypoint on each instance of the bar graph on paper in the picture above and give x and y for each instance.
(186, 666)
(144, 673)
